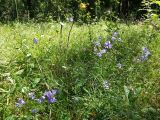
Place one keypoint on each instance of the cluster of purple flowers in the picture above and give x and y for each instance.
(49, 95)
(146, 53)
(101, 48)
(20, 102)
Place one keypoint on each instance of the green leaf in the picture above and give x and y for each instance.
(86, 91)
(6, 74)
(25, 89)
(35, 82)
(127, 91)
(2, 90)
(19, 72)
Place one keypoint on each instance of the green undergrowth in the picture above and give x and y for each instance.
(78, 73)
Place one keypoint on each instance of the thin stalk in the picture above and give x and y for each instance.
(69, 34)
(61, 35)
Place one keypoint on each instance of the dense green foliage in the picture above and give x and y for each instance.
(39, 10)
(89, 87)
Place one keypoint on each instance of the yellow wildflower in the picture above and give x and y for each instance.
(82, 6)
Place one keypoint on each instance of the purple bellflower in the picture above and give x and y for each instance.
(146, 53)
(35, 40)
(108, 45)
(20, 102)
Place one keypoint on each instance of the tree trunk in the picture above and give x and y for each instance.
(124, 8)
(30, 8)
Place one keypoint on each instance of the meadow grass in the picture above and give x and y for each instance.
(117, 84)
